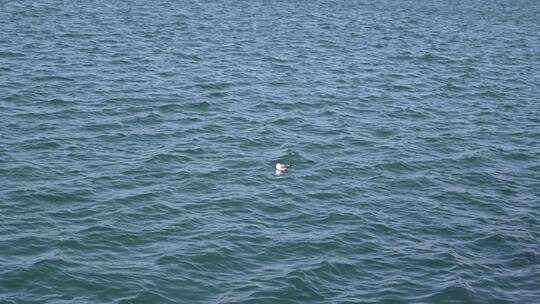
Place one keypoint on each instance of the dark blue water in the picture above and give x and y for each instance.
(138, 142)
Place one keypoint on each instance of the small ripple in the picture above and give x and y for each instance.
(459, 292)
(148, 297)
(167, 158)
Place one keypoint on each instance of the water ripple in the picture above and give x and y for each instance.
(138, 143)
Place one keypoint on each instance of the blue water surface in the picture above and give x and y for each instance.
(138, 141)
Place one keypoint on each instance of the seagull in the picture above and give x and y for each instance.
(281, 168)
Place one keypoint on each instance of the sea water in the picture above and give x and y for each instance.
(138, 143)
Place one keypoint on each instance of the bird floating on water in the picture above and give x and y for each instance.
(281, 168)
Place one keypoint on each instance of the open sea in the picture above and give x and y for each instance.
(138, 143)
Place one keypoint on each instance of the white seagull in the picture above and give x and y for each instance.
(281, 168)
